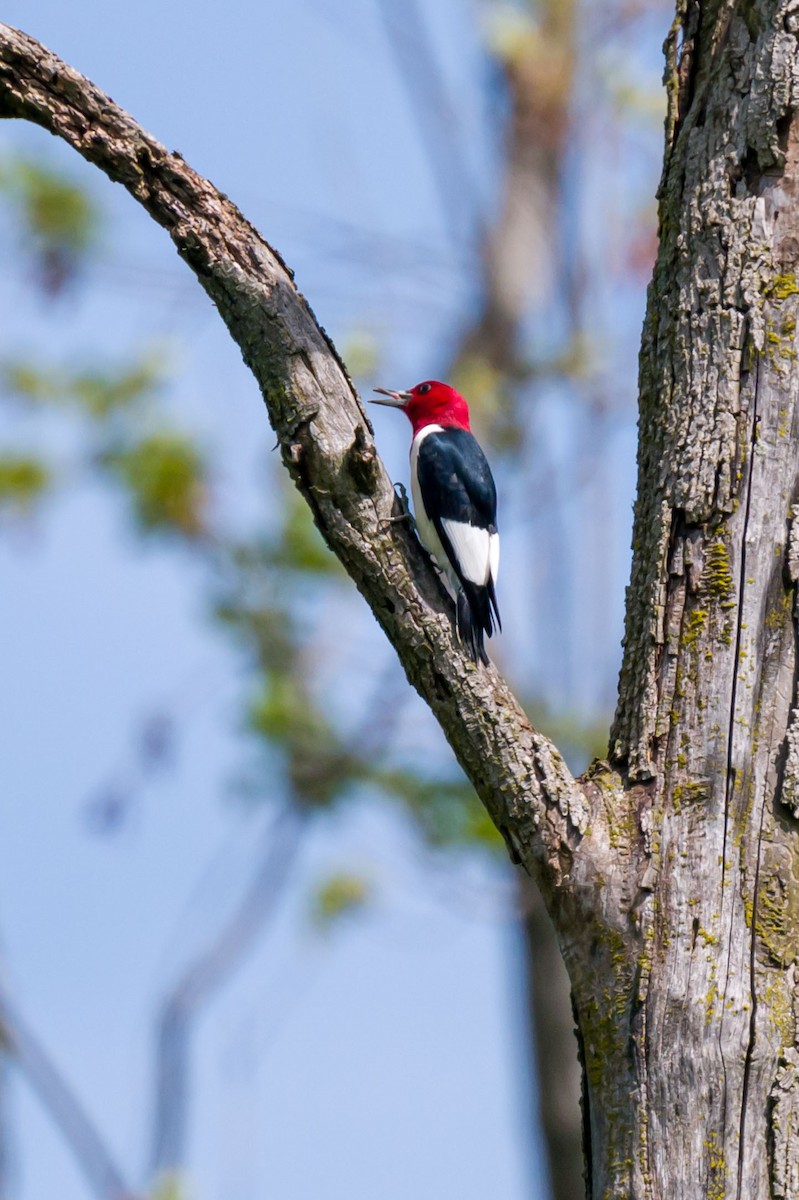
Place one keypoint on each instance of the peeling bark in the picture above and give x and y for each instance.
(671, 872)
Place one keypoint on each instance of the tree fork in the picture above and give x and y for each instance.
(672, 872)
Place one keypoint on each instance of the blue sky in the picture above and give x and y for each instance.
(389, 1057)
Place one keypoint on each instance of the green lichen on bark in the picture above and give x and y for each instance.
(717, 577)
(781, 286)
(777, 908)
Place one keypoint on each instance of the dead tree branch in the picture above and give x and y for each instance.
(326, 442)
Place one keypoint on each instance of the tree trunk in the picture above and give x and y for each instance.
(672, 872)
(549, 1011)
(698, 1010)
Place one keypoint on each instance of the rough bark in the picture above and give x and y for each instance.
(671, 873)
(708, 683)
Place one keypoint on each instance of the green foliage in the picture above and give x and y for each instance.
(23, 481)
(57, 218)
(321, 768)
(338, 896)
(165, 477)
(446, 810)
(509, 30)
(301, 546)
(282, 712)
(580, 742)
(163, 473)
(491, 397)
(265, 578)
(258, 605)
(361, 354)
(170, 1187)
(96, 393)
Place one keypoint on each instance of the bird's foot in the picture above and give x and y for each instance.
(405, 514)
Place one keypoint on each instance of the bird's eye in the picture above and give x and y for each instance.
(423, 389)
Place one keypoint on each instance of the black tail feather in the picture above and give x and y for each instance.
(475, 618)
(492, 600)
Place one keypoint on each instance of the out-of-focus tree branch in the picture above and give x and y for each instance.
(555, 1049)
(203, 979)
(101, 1172)
(436, 117)
(521, 253)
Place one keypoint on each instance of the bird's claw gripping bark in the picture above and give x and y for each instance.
(405, 514)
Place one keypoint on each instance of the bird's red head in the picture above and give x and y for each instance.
(429, 403)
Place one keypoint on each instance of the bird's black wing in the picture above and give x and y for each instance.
(456, 484)
(455, 479)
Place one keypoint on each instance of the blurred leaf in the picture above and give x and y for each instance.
(579, 741)
(320, 768)
(170, 1187)
(447, 810)
(57, 217)
(100, 393)
(23, 481)
(97, 393)
(282, 711)
(301, 546)
(480, 830)
(263, 631)
(57, 209)
(26, 382)
(361, 353)
(165, 476)
(338, 896)
(631, 98)
(508, 30)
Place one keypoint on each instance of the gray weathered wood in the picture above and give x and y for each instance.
(708, 680)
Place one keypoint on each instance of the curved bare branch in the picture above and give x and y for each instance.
(326, 442)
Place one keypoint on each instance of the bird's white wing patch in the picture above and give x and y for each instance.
(472, 548)
(493, 555)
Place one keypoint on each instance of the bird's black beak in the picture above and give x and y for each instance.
(393, 399)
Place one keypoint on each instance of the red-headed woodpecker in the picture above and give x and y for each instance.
(454, 502)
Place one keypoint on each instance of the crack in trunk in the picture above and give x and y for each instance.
(729, 793)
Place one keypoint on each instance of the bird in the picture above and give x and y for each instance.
(454, 503)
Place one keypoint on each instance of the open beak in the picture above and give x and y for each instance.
(393, 399)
